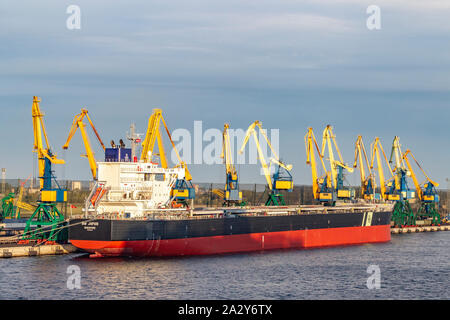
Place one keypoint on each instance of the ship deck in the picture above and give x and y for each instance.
(220, 212)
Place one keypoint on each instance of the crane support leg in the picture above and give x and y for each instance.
(275, 199)
(45, 224)
(403, 215)
(428, 210)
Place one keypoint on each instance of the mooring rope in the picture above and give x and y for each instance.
(40, 230)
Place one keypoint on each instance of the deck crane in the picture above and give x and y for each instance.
(78, 124)
(183, 190)
(281, 180)
(46, 220)
(231, 194)
(368, 184)
(337, 167)
(427, 194)
(323, 190)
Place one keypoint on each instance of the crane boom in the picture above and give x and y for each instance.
(327, 137)
(231, 193)
(368, 185)
(400, 171)
(428, 195)
(43, 152)
(78, 124)
(337, 166)
(310, 144)
(360, 151)
(153, 136)
(183, 189)
(46, 213)
(18, 201)
(279, 182)
(396, 152)
(413, 175)
(226, 152)
(376, 148)
(251, 131)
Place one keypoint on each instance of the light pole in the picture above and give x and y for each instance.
(3, 180)
(448, 196)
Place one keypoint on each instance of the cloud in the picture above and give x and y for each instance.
(293, 63)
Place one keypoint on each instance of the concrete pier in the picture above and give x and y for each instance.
(420, 229)
(15, 250)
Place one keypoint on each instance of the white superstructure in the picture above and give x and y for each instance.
(129, 189)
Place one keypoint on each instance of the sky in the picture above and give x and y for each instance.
(290, 64)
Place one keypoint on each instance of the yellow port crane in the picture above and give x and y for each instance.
(231, 194)
(12, 204)
(78, 123)
(427, 194)
(397, 189)
(152, 135)
(19, 203)
(322, 186)
(399, 185)
(45, 156)
(368, 184)
(377, 148)
(46, 215)
(420, 193)
(183, 189)
(337, 166)
(396, 152)
(282, 179)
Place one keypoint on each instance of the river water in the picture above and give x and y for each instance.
(411, 266)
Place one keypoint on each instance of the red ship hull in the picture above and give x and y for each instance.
(300, 239)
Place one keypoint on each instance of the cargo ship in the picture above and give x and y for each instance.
(128, 213)
(217, 233)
